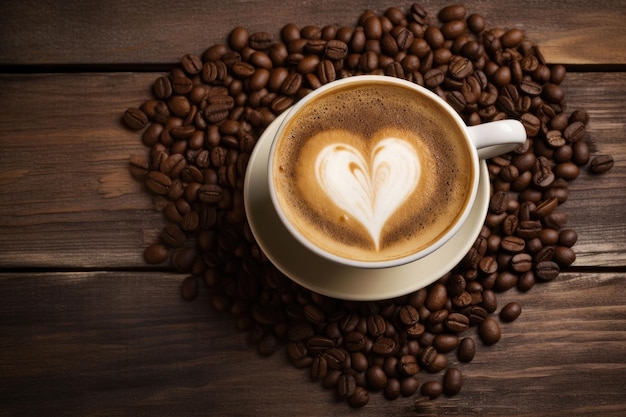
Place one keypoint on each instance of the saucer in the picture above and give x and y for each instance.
(338, 281)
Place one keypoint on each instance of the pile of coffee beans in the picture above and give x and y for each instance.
(206, 115)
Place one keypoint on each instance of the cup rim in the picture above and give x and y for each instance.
(378, 264)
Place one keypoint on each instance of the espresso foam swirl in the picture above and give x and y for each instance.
(371, 191)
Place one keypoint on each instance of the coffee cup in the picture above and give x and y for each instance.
(369, 174)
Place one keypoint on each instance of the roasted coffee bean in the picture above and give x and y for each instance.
(189, 288)
(462, 300)
(601, 164)
(553, 93)
(580, 153)
(135, 119)
(445, 342)
(360, 397)
(567, 238)
(296, 350)
(346, 386)
(376, 378)
(489, 331)
(260, 40)
(317, 344)
(452, 12)
(456, 285)
(521, 262)
(456, 322)
(512, 38)
(408, 315)
(407, 365)
(512, 244)
(218, 108)
(555, 138)
(530, 87)
(314, 314)
(499, 202)
(349, 321)
(545, 208)
(564, 255)
(354, 341)
(433, 77)
(574, 132)
(466, 350)
(431, 389)
(510, 312)
(158, 182)
(336, 49)
(544, 254)
(526, 281)
(138, 167)
(409, 386)
(531, 123)
(155, 254)
(547, 270)
(436, 298)
(376, 325)
(191, 63)
(427, 355)
(543, 176)
(452, 381)
(173, 236)
(415, 330)
(384, 346)
(335, 357)
(392, 389)
(359, 361)
(331, 379)
(509, 225)
(162, 88)
(506, 279)
(528, 229)
(549, 237)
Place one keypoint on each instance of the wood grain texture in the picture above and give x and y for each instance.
(87, 329)
(150, 32)
(112, 344)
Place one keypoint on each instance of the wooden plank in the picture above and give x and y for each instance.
(149, 32)
(67, 197)
(591, 198)
(106, 344)
(67, 200)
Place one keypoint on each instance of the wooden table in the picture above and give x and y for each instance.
(88, 329)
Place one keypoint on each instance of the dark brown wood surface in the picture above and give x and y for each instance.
(87, 329)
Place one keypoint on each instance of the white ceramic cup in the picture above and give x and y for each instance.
(484, 141)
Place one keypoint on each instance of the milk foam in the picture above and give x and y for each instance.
(354, 121)
(370, 190)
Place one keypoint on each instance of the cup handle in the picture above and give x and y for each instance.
(497, 138)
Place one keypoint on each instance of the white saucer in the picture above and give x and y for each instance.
(334, 280)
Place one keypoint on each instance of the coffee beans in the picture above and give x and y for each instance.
(203, 122)
(510, 312)
(466, 350)
(601, 164)
(452, 381)
(135, 119)
(489, 331)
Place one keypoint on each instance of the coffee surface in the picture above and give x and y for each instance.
(372, 172)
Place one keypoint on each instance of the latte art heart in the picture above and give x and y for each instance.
(369, 190)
